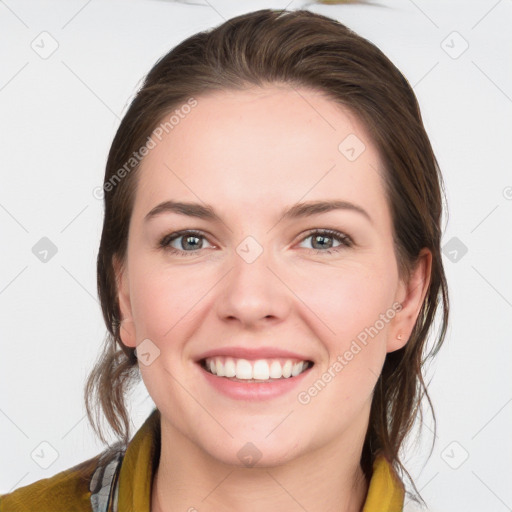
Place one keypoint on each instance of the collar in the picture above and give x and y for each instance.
(385, 492)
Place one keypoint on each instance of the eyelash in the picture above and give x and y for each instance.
(345, 241)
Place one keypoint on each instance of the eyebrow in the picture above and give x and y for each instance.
(299, 210)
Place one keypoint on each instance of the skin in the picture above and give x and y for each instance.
(249, 154)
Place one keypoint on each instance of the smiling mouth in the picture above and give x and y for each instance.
(261, 370)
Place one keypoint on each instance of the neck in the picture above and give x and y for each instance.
(328, 479)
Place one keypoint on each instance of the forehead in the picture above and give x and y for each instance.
(262, 148)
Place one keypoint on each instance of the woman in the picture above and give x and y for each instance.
(270, 263)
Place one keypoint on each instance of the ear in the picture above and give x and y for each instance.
(127, 328)
(410, 295)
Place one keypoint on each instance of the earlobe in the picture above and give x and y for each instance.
(411, 295)
(127, 327)
(397, 342)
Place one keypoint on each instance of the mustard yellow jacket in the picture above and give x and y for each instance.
(119, 480)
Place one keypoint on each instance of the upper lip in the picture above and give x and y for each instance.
(252, 353)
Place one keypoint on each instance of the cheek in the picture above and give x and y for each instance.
(165, 299)
(353, 336)
(349, 299)
(353, 311)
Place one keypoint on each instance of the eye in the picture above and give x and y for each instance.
(321, 239)
(186, 241)
(189, 242)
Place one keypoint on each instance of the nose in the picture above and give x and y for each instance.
(254, 291)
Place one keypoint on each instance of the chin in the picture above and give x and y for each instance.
(253, 454)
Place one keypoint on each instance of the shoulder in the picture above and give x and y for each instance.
(66, 491)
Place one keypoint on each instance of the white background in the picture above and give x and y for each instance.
(58, 116)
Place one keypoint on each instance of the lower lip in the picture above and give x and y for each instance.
(253, 391)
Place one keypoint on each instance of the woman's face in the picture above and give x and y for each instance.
(253, 283)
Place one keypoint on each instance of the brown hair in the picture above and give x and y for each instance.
(299, 49)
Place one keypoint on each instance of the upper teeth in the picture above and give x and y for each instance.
(262, 369)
